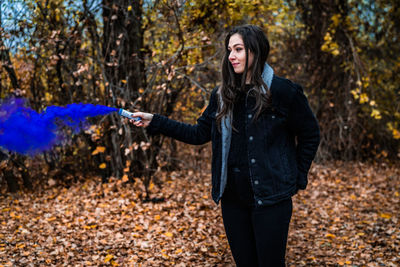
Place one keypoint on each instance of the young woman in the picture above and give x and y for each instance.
(264, 138)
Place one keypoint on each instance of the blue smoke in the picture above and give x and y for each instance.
(27, 132)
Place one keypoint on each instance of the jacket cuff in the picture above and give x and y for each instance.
(154, 126)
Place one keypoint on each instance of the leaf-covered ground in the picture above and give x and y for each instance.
(348, 216)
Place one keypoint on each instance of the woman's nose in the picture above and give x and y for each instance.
(231, 56)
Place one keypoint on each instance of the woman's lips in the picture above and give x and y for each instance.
(235, 64)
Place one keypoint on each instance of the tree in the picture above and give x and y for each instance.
(348, 96)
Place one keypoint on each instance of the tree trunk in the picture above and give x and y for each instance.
(124, 76)
(122, 44)
(26, 180)
(10, 179)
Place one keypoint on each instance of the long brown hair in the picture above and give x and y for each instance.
(257, 42)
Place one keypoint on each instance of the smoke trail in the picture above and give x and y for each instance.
(27, 132)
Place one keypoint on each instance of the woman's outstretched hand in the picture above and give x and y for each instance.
(145, 119)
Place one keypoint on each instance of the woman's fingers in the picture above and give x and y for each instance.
(138, 123)
(145, 119)
(143, 115)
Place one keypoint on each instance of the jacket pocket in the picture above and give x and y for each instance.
(289, 167)
(274, 127)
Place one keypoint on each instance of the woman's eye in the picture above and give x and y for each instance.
(238, 49)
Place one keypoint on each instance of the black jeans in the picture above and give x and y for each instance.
(257, 235)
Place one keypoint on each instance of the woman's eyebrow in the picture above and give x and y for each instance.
(235, 45)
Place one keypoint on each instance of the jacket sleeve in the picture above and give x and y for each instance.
(196, 134)
(306, 129)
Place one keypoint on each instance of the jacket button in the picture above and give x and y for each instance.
(249, 116)
(259, 202)
(273, 116)
(253, 161)
(256, 182)
(251, 138)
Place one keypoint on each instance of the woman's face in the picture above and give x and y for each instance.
(237, 55)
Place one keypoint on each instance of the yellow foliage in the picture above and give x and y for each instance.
(336, 20)
(385, 215)
(20, 245)
(355, 93)
(51, 219)
(102, 88)
(168, 234)
(335, 52)
(151, 186)
(102, 166)
(88, 227)
(363, 98)
(341, 262)
(125, 178)
(108, 258)
(333, 46)
(329, 46)
(48, 97)
(376, 114)
(99, 149)
(396, 134)
(330, 235)
(327, 37)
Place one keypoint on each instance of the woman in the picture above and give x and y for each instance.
(264, 138)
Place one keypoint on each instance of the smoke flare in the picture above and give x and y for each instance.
(28, 132)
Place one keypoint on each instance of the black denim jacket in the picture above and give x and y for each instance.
(282, 142)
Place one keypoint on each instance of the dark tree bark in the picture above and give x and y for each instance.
(11, 180)
(122, 47)
(124, 76)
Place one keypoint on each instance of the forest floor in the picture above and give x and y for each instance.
(348, 216)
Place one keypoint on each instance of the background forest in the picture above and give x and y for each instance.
(163, 56)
